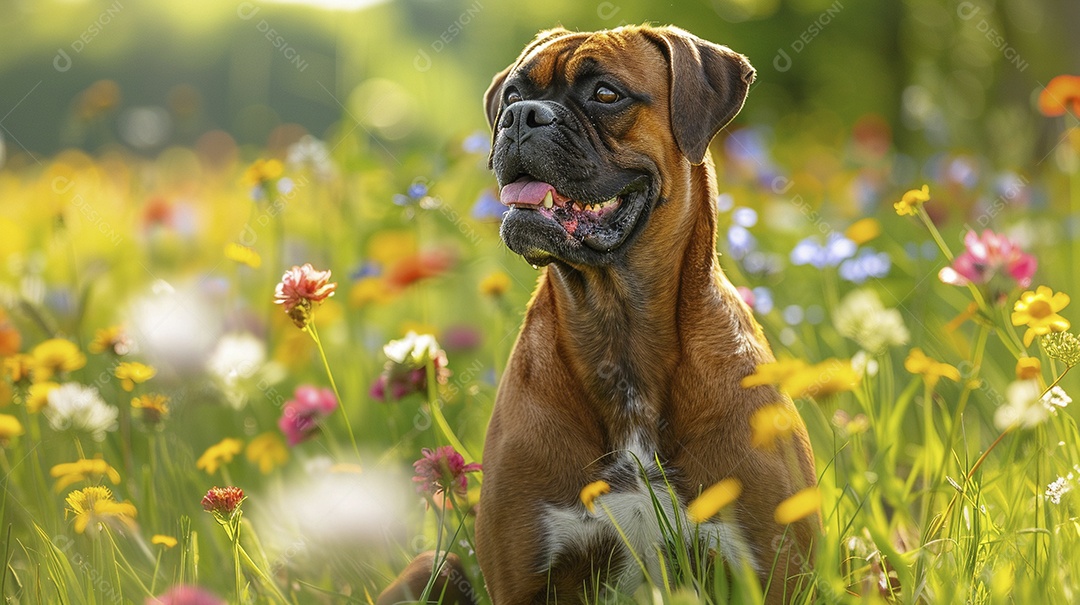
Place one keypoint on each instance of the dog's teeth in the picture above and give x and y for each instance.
(548, 201)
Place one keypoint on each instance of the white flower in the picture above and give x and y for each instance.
(414, 350)
(864, 364)
(237, 357)
(1061, 486)
(1055, 398)
(862, 318)
(311, 153)
(77, 407)
(1024, 407)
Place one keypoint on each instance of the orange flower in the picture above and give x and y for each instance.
(1054, 100)
(10, 339)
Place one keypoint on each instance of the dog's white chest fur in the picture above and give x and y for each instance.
(630, 518)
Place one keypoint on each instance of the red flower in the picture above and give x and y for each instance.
(300, 289)
(991, 261)
(301, 416)
(223, 501)
(1062, 91)
(412, 269)
(441, 470)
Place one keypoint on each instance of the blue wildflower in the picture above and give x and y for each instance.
(740, 241)
(488, 207)
(836, 249)
(867, 264)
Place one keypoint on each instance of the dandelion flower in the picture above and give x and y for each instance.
(19, 368)
(10, 427)
(83, 469)
(910, 203)
(495, 284)
(163, 540)
(73, 406)
(301, 416)
(800, 505)
(112, 339)
(237, 356)
(94, 505)
(713, 500)
(772, 422)
(773, 372)
(223, 502)
(993, 262)
(262, 172)
(131, 373)
(300, 289)
(154, 407)
(591, 492)
(1038, 311)
(220, 453)
(1028, 368)
(863, 230)
(56, 356)
(822, 380)
(442, 469)
(267, 451)
(930, 369)
(37, 396)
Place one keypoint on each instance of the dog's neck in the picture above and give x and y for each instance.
(627, 322)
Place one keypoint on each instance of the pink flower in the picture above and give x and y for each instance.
(301, 415)
(442, 469)
(223, 501)
(300, 289)
(993, 262)
(186, 595)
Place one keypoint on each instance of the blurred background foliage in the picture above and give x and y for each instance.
(931, 74)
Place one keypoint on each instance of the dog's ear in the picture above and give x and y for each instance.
(708, 86)
(493, 96)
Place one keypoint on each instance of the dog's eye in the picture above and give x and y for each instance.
(604, 94)
(512, 96)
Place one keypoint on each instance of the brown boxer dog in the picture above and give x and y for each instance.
(629, 361)
(634, 343)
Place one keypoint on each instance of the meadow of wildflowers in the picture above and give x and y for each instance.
(250, 375)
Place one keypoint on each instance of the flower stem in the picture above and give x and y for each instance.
(314, 333)
(436, 412)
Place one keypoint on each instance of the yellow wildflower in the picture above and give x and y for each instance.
(268, 451)
(1028, 368)
(82, 470)
(713, 499)
(37, 397)
(929, 368)
(131, 373)
(773, 372)
(1038, 311)
(263, 171)
(10, 427)
(110, 339)
(243, 255)
(166, 541)
(800, 505)
(54, 356)
(154, 407)
(913, 200)
(95, 505)
(220, 453)
(822, 380)
(370, 290)
(863, 230)
(495, 284)
(591, 492)
(19, 367)
(772, 422)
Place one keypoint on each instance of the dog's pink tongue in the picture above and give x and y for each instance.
(527, 191)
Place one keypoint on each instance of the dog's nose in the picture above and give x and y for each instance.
(528, 114)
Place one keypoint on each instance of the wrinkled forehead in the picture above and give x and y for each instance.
(625, 54)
